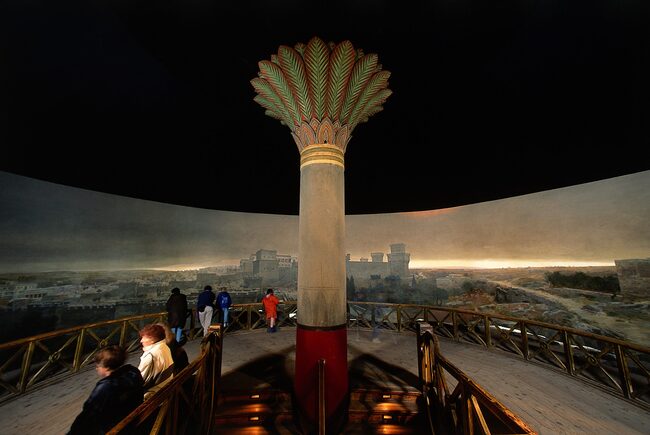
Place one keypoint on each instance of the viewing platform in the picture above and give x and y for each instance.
(380, 359)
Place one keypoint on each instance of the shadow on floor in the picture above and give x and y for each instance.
(266, 372)
(369, 372)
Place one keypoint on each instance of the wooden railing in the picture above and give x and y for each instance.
(619, 367)
(469, 408)
(187, 403)
(29, 363)
(251, 316)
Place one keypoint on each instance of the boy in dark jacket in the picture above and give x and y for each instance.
(118, 392)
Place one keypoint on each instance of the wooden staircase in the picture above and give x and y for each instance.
(268, 411)
(374, 411)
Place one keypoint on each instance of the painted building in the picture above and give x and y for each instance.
(634, 277)
(397, 264)
(270, 266)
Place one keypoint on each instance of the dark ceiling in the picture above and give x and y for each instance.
(151, 98)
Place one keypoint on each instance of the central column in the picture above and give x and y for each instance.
(322, 318)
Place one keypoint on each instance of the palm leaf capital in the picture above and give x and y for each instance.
(321, 90)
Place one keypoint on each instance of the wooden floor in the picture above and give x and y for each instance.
(550, 402)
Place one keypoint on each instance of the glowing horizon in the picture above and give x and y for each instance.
(427, 264)
(501, 264)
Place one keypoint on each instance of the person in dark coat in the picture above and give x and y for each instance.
(179, 355)
(177, 312)
(205, 307)
(118, 392)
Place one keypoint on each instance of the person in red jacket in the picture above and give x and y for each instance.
(270, 302)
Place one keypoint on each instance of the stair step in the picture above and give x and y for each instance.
(256, 430)
(253, 396)
(383, 408)
(361, 394)
(386, 429)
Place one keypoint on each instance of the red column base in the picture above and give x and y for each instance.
(331, 345)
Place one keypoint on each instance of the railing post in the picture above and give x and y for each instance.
(27, 362)
(79, 350)
(424, 356)
(524, 340)
(399, 318)
(568, 352)
(454, 321)
(123, 334)
(321, 397)
(249, 321)
(624, 372)
(488, 334)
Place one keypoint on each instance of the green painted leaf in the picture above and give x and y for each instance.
(377, 82)
(361, 73)
(272, 114)
(294, 69)
(267, 93)
(366, 115)
(340, 66)
(300, 48)
(316, 59)
(374, 105)
(274, 75)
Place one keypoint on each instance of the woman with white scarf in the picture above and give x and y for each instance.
(156, 363)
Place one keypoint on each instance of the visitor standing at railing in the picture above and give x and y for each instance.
(270, 302)
(118, 392)
(176, 312)
(205, 308)
(156, 363)
(224, 302)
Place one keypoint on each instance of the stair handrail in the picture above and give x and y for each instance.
(187, 403)
(468, 404)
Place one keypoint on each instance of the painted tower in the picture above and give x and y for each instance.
(321, 92)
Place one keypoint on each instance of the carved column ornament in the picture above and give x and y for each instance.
(321, 91)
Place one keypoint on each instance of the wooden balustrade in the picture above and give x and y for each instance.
(619, 367)
(469, 408)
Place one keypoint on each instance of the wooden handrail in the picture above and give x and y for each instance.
(459, 409)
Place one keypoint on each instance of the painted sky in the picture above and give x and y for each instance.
(45, 226)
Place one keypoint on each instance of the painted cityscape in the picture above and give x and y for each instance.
(577, 256)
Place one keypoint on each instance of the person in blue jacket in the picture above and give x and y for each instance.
(205, 307)
(119, 391)
(224, 302)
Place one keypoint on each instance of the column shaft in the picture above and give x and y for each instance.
(321, 332)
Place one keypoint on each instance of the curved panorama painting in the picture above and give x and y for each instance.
(578, 256)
